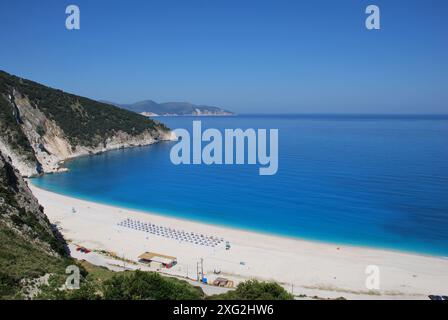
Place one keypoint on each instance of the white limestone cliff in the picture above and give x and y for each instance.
(52, 147)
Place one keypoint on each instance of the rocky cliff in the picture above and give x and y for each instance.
(41, 126)
(29, 246)
(21, 212)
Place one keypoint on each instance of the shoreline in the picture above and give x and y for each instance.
(242, 229)
(311, 267)
(60, 166)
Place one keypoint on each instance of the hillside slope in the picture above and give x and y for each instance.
(41, 126)
(29, 247)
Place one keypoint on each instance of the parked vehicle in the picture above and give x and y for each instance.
(83, 250)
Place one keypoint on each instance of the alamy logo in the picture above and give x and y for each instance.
(73, 20)
(373, 277)
(373, 20)
(73, 278)
(233, 151)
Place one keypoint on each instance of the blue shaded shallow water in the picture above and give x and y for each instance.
(372, 181)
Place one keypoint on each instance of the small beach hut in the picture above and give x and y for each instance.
(164, 260)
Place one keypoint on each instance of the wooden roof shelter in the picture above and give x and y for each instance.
(157, 257)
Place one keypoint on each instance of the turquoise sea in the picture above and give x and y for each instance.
(379, 181)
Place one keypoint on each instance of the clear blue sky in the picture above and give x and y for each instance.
(247, 55)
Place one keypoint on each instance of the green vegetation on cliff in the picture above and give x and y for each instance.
(29, 247)
(21, 259)
(84, 121)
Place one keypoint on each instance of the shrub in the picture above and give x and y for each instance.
(256, 290)
(141, 285)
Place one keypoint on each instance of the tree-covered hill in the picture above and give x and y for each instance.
(84, 121)
(40, 126)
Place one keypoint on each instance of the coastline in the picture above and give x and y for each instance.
(313, 268)
(184, 217)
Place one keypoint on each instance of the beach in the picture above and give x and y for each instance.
(308, 268)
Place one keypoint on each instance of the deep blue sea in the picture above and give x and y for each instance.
(374, 181)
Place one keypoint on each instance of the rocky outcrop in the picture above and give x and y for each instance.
(21, 212)
(30, 247)
(20, 161)
(50, 144)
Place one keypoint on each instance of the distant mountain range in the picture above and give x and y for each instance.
(152, 108)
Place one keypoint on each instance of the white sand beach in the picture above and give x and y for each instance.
(307, 268)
